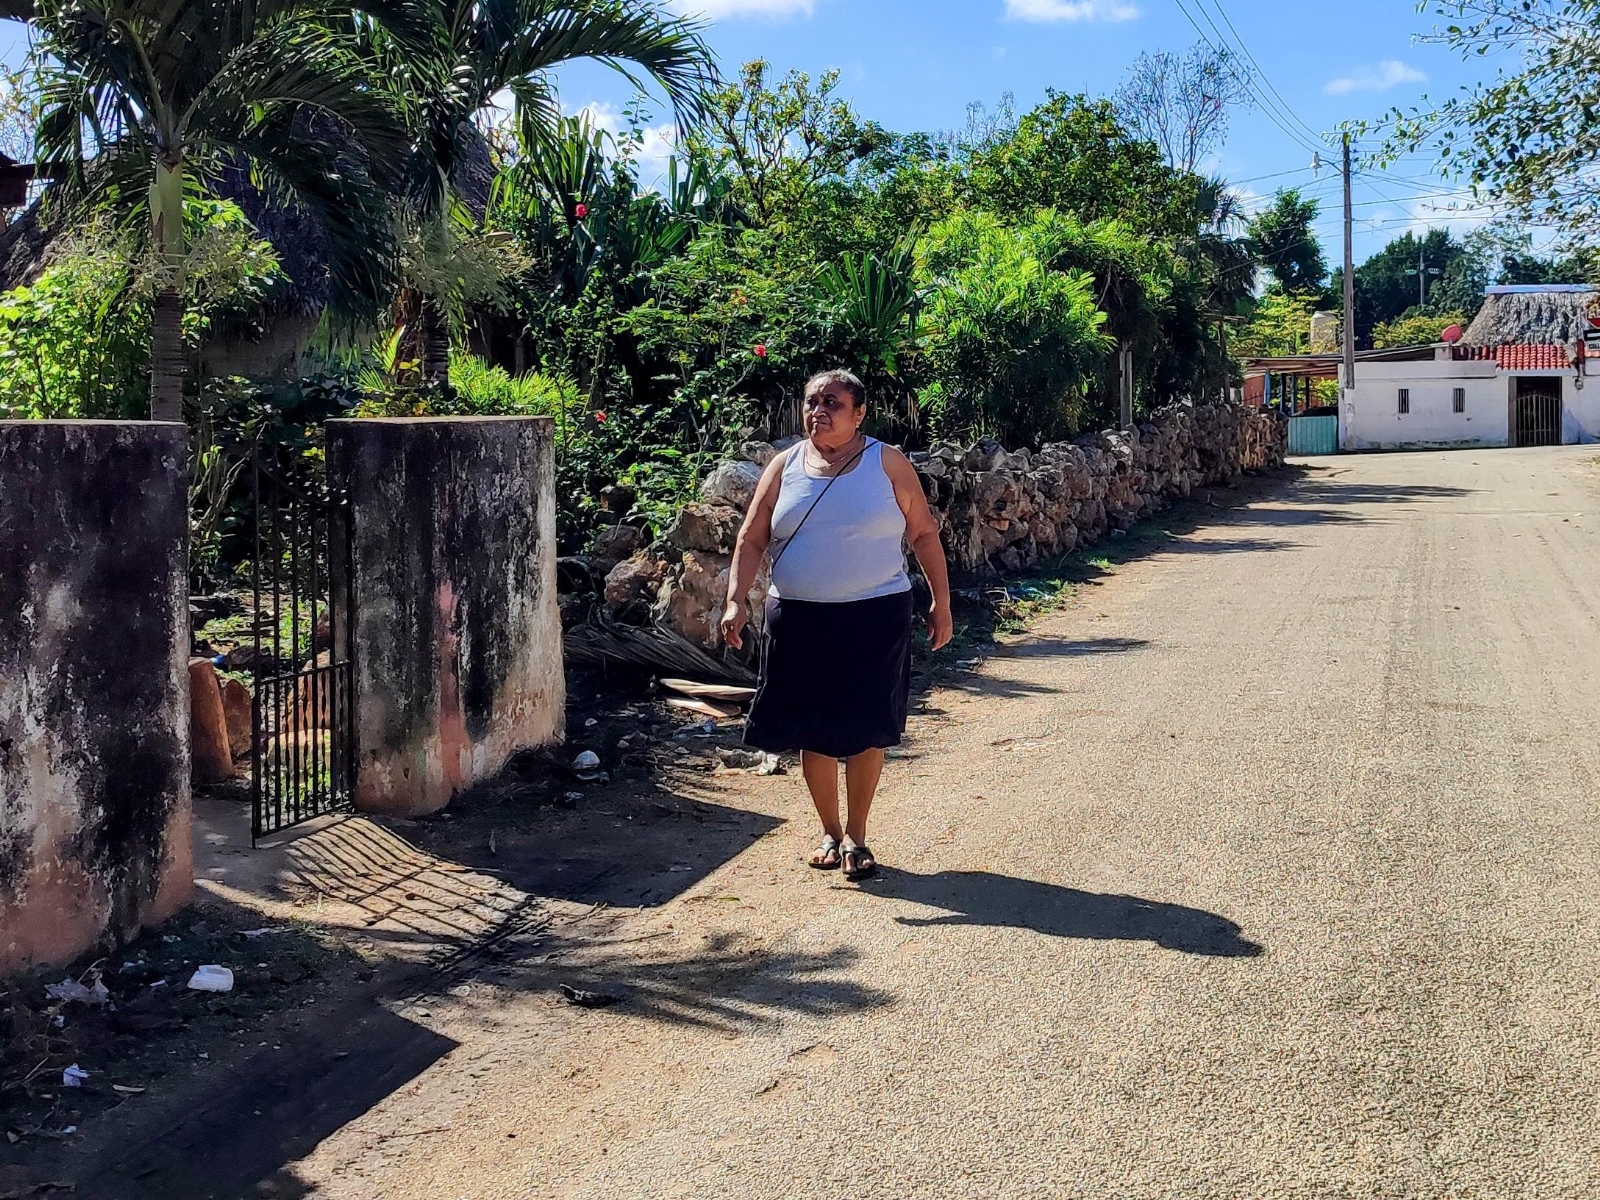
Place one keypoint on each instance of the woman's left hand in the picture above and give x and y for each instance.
(940, 627)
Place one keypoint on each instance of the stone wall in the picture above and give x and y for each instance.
(457, 638)
(94, 709)
(998, 512)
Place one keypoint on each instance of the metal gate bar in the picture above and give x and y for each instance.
(1538, 417)
(303, 714)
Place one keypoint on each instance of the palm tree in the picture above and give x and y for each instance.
(876, 302)
(1223, 247)
(485, 49)
(152, 99)
(1227, 260)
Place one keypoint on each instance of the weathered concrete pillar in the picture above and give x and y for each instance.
(457, 637)
(94, 684)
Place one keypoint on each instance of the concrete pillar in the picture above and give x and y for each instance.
(94, 685)
(456, 636)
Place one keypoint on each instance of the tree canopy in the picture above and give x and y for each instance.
(1285, 241)
(1527, 142)
(1074, 154)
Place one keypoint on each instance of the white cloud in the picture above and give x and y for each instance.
(1071, 10)
(657, 142)
(1387, 74)
(601, 115)
(772, 9)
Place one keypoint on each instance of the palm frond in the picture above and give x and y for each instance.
(293, 70)
(115, 183)
(877, 298)
(696, 188)
(523, 39)
(569, 167)
(304, 164)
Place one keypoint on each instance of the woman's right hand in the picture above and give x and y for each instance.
(732, 626)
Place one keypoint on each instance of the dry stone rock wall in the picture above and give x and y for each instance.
(999, 511)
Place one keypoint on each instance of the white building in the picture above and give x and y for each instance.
(1518, 376)
(1524, 396)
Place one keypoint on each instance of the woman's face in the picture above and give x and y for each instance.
(832, 416)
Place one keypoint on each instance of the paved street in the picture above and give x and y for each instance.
(1269, 869)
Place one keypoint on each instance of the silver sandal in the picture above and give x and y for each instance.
(829, 846)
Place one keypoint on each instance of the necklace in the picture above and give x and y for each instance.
(846, 453)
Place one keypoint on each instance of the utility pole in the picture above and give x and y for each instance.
(1422, 274)
(1349, 281)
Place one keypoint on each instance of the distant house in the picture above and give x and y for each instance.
(1515, 378)
(1520, 375)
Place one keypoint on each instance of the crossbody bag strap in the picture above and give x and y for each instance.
(801, 450)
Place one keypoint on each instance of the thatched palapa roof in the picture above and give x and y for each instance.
(1538, 315)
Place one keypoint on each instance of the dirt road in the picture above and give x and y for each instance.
(1269, 869)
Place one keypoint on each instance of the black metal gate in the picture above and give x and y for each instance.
(1536, 413)
(304, 708)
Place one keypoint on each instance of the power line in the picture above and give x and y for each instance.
(1251, 58)
(1273, 175)
(1271, 114)
(1274, 107)
(1280, 109)
(1468, 204)
(1437, 188)
(1324, 189)
(1434, 188)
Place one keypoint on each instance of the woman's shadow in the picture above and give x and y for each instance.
(982, 898)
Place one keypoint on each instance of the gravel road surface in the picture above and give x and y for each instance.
(1267, 869)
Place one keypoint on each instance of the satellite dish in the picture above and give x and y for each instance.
(1452, 334)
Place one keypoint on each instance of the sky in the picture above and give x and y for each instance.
(918, 64)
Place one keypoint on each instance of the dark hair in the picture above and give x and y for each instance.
(840, 378)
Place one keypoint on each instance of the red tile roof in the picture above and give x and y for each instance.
(1522, 356)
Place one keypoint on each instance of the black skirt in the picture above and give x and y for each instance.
(835, 678)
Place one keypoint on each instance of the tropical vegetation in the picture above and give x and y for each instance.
(392, 190)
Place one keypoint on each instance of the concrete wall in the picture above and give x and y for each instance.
(94, 700)
(457, 634)
(1580, 405)
(1370, 419)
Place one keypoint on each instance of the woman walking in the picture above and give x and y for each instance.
(836, 510)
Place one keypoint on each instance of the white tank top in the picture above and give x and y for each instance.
(852, 547)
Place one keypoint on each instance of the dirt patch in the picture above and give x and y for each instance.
(131, 1021)
(361, 915)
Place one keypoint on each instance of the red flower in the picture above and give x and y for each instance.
(761, 350)
(582, 210)
(600, 417)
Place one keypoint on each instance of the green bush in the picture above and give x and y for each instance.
(1009, 343)
(1416, 327)
(485, 391)
(73, 345)
(76, 342)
